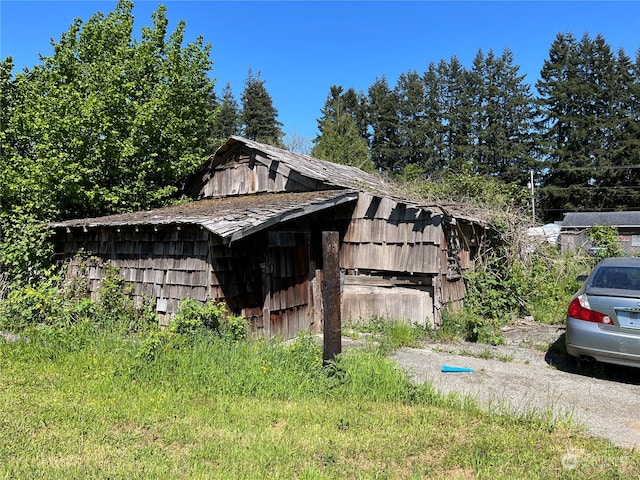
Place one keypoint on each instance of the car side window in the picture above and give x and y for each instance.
(599, 280)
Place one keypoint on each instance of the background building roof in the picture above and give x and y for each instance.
(589, 219)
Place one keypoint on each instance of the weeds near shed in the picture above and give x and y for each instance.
(500, 292)
(388, 335)
(193, 316)
(54, 303)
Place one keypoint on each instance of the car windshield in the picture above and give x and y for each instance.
(622, 278)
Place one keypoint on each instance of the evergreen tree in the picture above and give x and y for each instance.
(259, 116)
(333, 108)
(590, 120)
(339, 140)
(457, 116)
(384, 125)
(355, 104)
(559, 110)
(412, 127)
(502, 118)
(228, 117)
(624, 146)
(434, 124)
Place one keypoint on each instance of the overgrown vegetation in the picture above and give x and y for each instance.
(93, 388)
(517, 276)
(384, 334)
(500, 292)
(605, 239)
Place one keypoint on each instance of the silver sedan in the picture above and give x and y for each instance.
(603, 320)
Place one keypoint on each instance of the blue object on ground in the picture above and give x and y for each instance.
(447, 368)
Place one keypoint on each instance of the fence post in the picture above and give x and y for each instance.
(332, 327)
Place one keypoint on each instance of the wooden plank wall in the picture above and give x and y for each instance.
(384, 237)
(236, 277)
(167, 265)
(391, 236)
(289, 260)
(243, 176)
(395, 298)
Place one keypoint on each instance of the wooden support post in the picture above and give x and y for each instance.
(331, 296)
(267, 270)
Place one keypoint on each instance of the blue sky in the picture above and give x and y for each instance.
(302, 48)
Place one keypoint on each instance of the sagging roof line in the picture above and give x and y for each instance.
(230, 218)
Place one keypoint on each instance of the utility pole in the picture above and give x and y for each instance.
(533, 197)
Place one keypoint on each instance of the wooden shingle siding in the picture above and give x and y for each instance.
(163, 266)
(391, 258)
(387, 235)
(366, 230)
(246, 177)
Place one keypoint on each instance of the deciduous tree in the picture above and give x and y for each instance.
(108, 122)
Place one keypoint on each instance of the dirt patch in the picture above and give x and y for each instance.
(532, 373)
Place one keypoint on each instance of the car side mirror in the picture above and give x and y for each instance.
(582, 278)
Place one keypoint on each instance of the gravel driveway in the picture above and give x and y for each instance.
(530, 373)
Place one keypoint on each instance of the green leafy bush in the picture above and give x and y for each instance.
(492, 299)
(549, 283)
(539, 284)
(33, 305)
(116, 310)
(606, 238)
(193, 316)
(55, 302)
(25, 252)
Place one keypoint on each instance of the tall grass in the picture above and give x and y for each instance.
(82, 402)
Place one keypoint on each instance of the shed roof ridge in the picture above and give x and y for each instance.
(330, 173)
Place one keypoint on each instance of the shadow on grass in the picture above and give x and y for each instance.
(558, 357)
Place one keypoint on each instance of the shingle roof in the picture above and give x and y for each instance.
(231, 218)
(335, 175)
(332, 175)
(589, 219)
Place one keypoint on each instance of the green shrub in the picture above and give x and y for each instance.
(25, 250)
(35, 304)
(549, 283)
(192, 316)
(492, 299)
(467, 325)
(115, 309)
(43, 303)
(605, 237)
(54, 302)
(539, 284)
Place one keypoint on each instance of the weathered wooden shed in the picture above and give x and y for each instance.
(252, 238)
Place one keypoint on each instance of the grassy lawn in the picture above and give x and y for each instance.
(77, 403)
